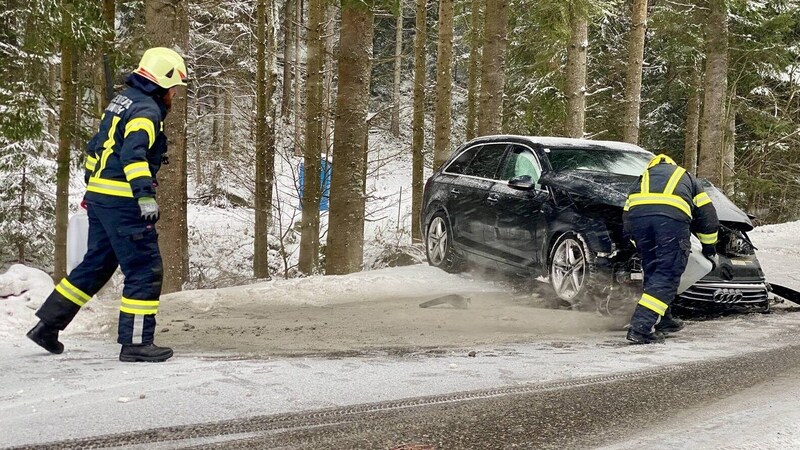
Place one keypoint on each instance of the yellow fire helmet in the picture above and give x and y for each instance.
(163, 66)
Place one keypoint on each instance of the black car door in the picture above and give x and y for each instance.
(457, 187)
(472, 191)
(516, 226)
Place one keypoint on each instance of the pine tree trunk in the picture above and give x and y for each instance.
(715, 88)
(633, 78)
(309, 240)
(418, 126)
(109, 19)
(167, 25)
(576, 74)
(475, 42)
(444, 85)
(398, 66)
(330, 33)
(298, 107)
(264, 164)
(65, 133)
(288, 42)
(490, 112)
(692, 124)
(345, 246)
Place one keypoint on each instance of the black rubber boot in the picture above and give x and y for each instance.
(144, 353)
(46, 337)
(645, 338)
(670, 325)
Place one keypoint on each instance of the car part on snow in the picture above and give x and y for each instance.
(697, 266)
(785, 292)
(455, 300)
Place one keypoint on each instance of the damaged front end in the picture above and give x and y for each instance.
(737, 283)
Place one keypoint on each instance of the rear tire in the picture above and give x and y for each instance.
(439, 244)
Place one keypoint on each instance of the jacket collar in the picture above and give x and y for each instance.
(149, 89)
(662, 158)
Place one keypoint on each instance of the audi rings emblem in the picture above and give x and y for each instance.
(728, 296)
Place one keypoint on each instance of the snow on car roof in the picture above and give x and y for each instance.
(564, 142)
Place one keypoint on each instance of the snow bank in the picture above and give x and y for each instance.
(22, 290)
(779, 252)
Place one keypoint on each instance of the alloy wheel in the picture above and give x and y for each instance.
(568, 269)
(437, 241)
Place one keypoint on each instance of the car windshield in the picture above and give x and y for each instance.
(619, 162)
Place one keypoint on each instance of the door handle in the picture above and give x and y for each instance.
(492, 198)
(455, 191)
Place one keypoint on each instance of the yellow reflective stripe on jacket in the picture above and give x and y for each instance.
(91, 163)
(701, 199)
(710, 238)
(645, 187)
(659, 199)
(132, 306)
(71, 293)
(136, 170)
(108, 145)
(141, 123)
(109, 187)
(653, 304)
(673, 180)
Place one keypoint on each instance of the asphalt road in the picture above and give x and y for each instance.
(579, 413)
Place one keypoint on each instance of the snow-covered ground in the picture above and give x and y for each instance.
(86, 391)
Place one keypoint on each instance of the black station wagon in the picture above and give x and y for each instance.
(552, 208)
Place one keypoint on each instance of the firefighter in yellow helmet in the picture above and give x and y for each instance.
(122, 161)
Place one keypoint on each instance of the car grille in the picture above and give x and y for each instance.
(726, 293)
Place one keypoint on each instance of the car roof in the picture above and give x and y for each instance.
(561, 142)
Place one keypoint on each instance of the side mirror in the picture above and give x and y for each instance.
(523, 182)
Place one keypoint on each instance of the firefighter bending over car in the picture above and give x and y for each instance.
(122, 160)
(665, 206)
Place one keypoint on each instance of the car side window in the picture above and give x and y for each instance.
(521, 162)
(462, 161)
(486, 162)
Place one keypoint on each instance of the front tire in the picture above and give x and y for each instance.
(439, 247)
(571, 271)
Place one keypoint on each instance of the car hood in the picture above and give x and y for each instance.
(602, 188)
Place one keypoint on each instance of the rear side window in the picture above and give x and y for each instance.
(460, 164)
(486, 162)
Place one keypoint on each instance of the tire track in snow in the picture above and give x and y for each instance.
(574, 413)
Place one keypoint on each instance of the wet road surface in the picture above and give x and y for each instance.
(578, 413)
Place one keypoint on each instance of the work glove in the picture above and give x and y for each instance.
(149, 208)
(710, 252)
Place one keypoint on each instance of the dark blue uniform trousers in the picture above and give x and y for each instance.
(118, 236)
(663, 244)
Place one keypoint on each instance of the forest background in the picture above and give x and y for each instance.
(379, 87)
